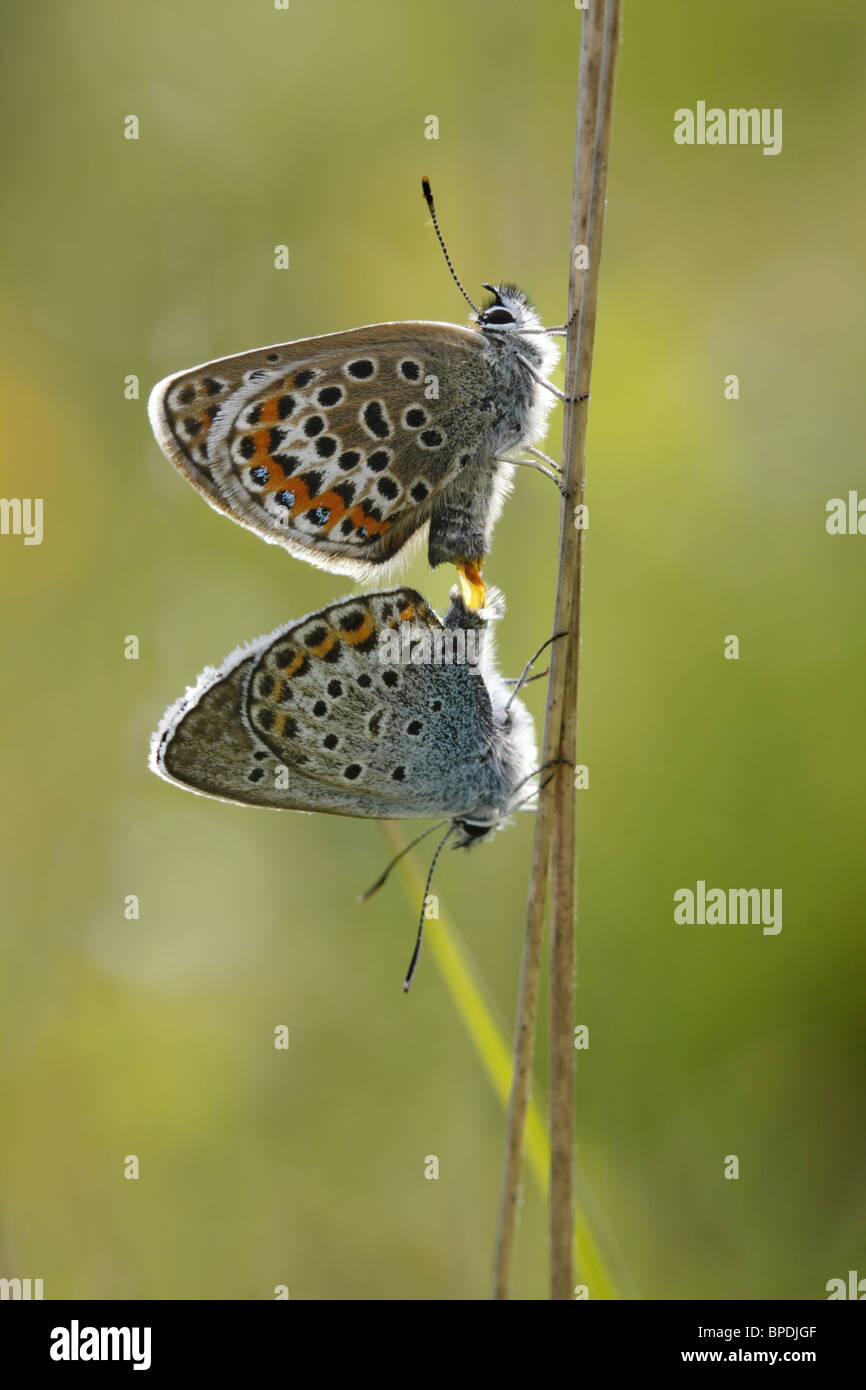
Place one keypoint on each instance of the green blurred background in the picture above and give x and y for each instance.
(155, 1036)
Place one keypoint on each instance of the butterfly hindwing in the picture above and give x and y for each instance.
(326, 715)
(334, 447)
(203, 744)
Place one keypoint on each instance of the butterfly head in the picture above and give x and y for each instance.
(509, 319)
(507, 311)
(467, 832)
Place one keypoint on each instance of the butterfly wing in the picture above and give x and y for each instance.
(321, 716)
(334, 447)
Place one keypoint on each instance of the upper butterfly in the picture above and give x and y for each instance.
(341, 447)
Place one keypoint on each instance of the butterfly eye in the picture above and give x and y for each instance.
(497, 316)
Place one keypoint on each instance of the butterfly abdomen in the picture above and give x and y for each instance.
(463, 517)
(510, 415)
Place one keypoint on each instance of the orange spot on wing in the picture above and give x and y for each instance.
(269, 411)
(335, 504)
(360, 634)
(358, 517)
(296, 662)
(329, 641)
(275, 473)
(278, 481)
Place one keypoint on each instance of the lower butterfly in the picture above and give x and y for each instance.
(371, 707)
(342, 447)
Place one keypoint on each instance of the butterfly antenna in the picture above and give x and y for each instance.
(417, 951)
(428, 194)
(362, 897)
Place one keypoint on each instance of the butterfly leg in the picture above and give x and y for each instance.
(528, 800)
(539, 676)
(471, 584)
(554, 763)
(559, 331)
(539, 468)
(525, 677)
(545, 457)
(542, 381)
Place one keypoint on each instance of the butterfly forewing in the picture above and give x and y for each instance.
(334, 447)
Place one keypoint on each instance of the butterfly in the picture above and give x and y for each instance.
(341, 447)
(371, 707)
